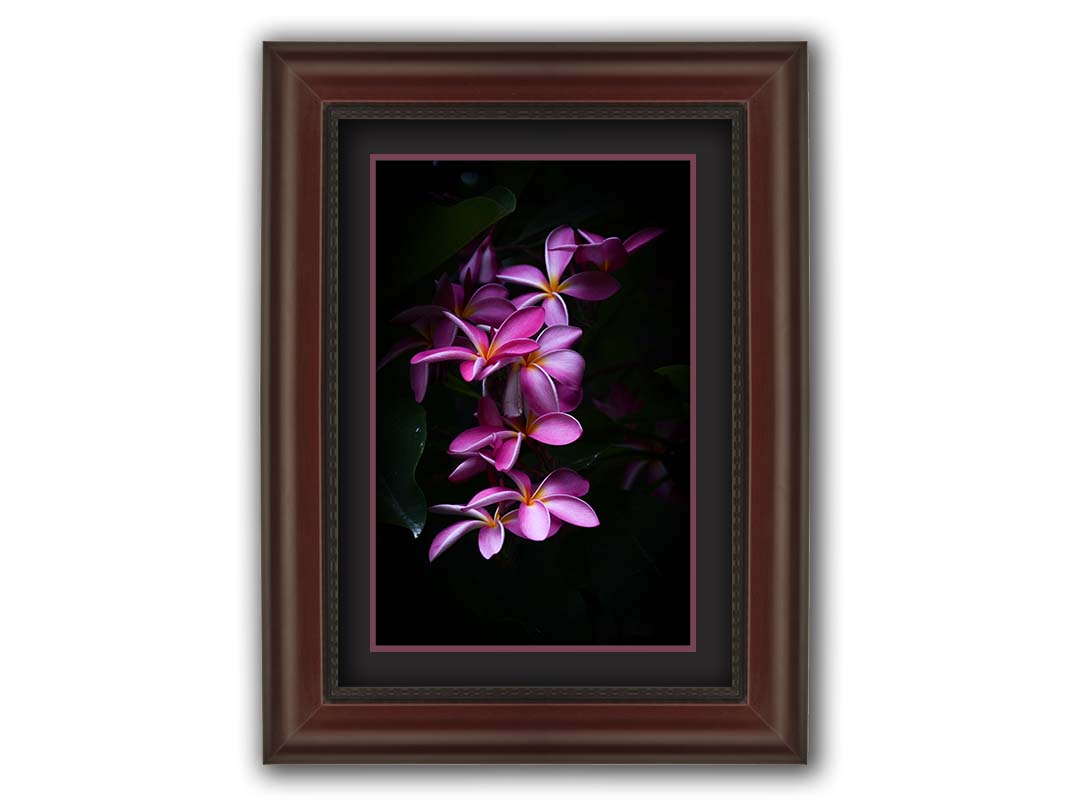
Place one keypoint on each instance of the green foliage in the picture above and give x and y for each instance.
(401, 438)
(438, 232)
(678, 375)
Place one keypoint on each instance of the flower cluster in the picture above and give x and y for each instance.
(520, 349)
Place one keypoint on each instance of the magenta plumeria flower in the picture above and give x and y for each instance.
(549, 378)
(539, 514)
(472, 465)
(503, 436)
(484, 460)
(543, 383)
(482, 266)
(487, 305)
(650, 459)
(433, 330)
(556, 499)
(656, 476)
(486, 355)
(619, 403)
(608, 253)
(490, 529)
(551, 285)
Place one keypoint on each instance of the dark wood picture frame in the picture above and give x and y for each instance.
(769, 723)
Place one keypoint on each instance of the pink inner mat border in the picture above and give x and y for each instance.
(372, 383)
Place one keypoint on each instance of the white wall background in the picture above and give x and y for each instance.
(129, 170)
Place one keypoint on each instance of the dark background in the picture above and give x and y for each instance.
(626, 582)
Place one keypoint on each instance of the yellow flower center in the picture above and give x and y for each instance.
(531, 359)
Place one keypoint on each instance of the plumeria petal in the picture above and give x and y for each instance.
(497, 290)
(570, 397)
(538, 390)
(608, 254)
(564, 481)
(402, 346)
(458, 511)
(473, 332)
(522, 480)
(619, 403)
(507, 451)
(511, 522)
(443, 354)
(565, 366)
(452, 534)
(556, 428)
(444, 333)
(641, 238)
(521, 325)
(471, 370)
(486, 371)
(494, 494)
(556, 260)
(658, 480)
(526, 275)
(657, 470)
(491, 311)
(592, 238)
(482, 265)
(632, 472)
(473, 439)
(470, 272)
(571, 509)
(456, 296)
(420, 377)
(515, 347)
(490, 540)
(613, 255)
(488, 414)
(558, 337)
(555, 310)
(527, 300)
(444, 292)
(590, 286)
(534, 520)
(467, 469)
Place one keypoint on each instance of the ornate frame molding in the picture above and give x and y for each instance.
(769, 81)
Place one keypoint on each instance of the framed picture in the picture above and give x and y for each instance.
(534, 403)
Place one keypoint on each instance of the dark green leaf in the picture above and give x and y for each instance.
(461, 387)
(569, 210)
(401, 439)
(591, 459)
(438, 232)
(678, 375)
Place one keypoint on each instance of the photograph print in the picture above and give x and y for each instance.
(533, 409)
